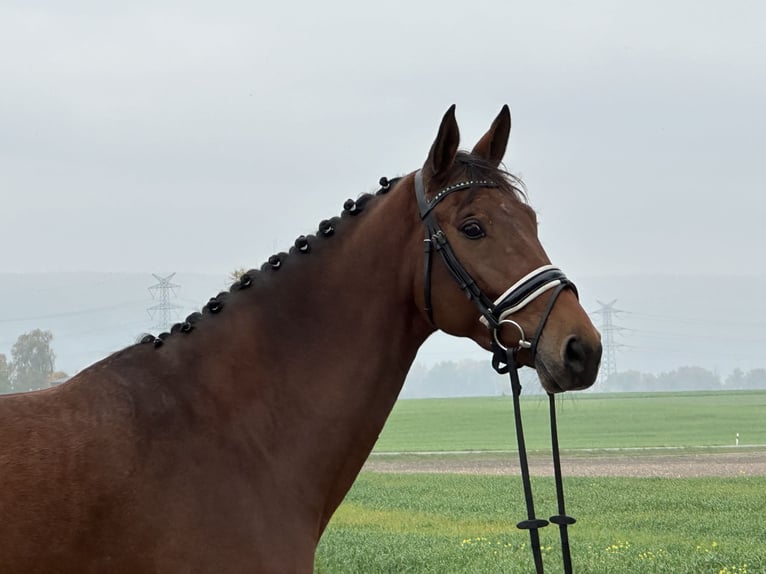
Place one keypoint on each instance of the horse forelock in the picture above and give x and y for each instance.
(472, 167)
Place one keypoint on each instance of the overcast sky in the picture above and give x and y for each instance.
(187, 136)
(198, 137)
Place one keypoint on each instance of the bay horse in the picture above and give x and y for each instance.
(226, 445)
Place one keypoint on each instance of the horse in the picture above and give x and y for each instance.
(226, 444)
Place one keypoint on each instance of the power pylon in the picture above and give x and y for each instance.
(164, 312)
(608, 329)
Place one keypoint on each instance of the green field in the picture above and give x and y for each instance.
(586, 421)
(459, 523)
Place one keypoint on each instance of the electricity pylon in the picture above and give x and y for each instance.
(164, 312)
(609, 345)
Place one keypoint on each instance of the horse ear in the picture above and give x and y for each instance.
(444, 148)
(492, 145)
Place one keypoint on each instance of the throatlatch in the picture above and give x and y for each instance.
(495, 314)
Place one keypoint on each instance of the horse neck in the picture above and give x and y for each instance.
(316, 355)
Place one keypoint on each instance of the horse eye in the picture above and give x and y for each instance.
(472, 230)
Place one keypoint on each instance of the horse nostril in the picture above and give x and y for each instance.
(575, 355)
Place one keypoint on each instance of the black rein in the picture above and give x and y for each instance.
(493, 315)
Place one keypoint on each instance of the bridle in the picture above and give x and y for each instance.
(494, 314)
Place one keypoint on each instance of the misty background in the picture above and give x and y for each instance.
(161, 137)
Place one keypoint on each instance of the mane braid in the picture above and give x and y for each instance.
(303, 246)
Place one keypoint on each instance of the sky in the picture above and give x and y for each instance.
(191, 137)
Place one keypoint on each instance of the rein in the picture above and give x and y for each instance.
(495, 314)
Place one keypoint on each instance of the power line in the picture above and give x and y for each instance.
(70, 313)
(164, 311)
(707, 320)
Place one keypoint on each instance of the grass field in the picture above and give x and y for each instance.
(466, 523)
(457, 523)
(586, 421)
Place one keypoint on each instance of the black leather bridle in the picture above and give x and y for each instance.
(494, 314)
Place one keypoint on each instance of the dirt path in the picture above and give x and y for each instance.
(664, 465)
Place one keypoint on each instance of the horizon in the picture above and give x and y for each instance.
(669, 323)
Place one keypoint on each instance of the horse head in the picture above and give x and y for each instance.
(479, 223)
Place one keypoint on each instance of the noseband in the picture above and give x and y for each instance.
(494, 314)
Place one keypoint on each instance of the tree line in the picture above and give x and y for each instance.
(685, 379)
(32, 365)
(476, 378)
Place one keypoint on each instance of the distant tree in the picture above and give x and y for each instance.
(5, 375)
(630, 381)
(414, 383)
(33, 361)
(736, 380)
(461, 379)
(689, 379)
(755, 379)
